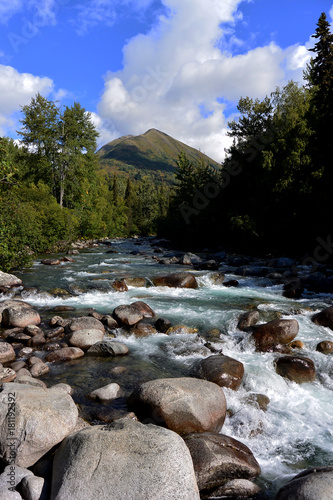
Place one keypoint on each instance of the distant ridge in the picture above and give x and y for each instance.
(153, 152)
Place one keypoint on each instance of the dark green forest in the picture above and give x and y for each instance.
(274, 190)
(272, 193)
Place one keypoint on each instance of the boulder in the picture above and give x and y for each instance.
(110, 322)
(217, 458)
(231, 283)
(219, 369)
(208, 265)
(65, 354)
(217, 278)
(120, 286)
(11, 477)
(7, 353)
(278, 331)
(86, 338)
(296, 368)
(35, 488)
(7, 375)
(144, 309)
(235, 488)
(50, 262)
(39, 369)
(143, 329)
(108, 348)
(188, 259)
(136, 282)
(311, 484)
(326, 347)
(106, 393)
(127, 315)
(40, 419)
(183, 405)
(9, 280)
(84, 323)
(177, 280)
(181, 330)
(247, 320)
(123, 460)
(162, 325)
(324, 317)
(20, 317)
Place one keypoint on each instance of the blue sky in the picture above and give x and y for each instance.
(176, 65)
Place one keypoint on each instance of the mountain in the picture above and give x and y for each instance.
(153, 152)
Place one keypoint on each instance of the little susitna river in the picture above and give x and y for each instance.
(296, 430)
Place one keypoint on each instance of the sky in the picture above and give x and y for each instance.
(179, 66)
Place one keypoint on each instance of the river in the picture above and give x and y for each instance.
(294, 433)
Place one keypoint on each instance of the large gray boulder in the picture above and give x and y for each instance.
(32, 421)
(218, 458)
(127, 315)
(124, 460)
(183, 405)
(108, 348)
(20, 317)
(84, 323)
(311, 484)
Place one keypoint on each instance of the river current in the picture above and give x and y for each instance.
(294, 433)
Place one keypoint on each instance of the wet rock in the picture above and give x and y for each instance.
(43, 418)
(218, 458)
(51, 262)
(106, 348)
(217, 278)
(110, 322)
(84, 323)
(219, 369)
(259, 400)
(29, 380)
(126, 458)
(127, 315)
(63, 308)
(176, 280)
(65, 354)
(37, 341)
(144, 309)
(189, 259)
(85, 338)
(119, 286)
(279, 331)
(106, 393)
(143, 329)
(208, 265)
(23, 372)
(247, 320)
(52, 346)
(181, 330)
(136, 282)
(7, 352)
(20, 317)
(231, 283)
(19, 337)
(324, 318)
(183, 405)
(67, 259)
(311, 484)
(296, 368)
(235, 488)
(326, 347)
(17, 365)
(96, 315)
(59, 322)
(162, 325)
(33, 330)
(58, 331)
(294, 289)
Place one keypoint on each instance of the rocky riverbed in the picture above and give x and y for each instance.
(132, 371)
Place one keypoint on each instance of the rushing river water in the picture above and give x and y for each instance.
(294, 433)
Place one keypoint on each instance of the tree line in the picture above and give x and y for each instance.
(273, 192)
(52, 190)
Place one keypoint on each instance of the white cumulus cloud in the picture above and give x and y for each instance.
(178, 79)
(16, 90)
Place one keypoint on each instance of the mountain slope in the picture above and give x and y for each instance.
(154, 152)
